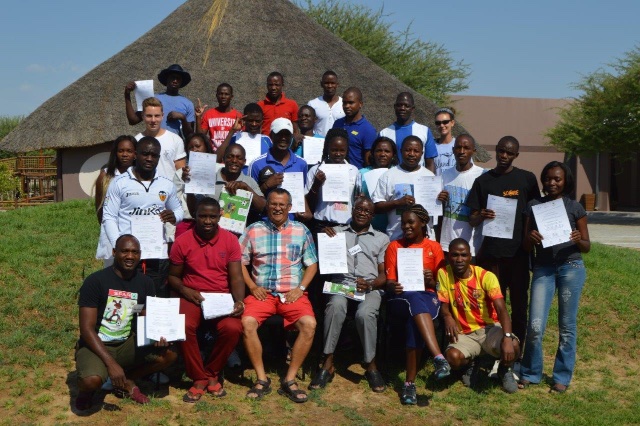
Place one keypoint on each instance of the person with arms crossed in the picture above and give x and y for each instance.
(328, 106)
(361, 131)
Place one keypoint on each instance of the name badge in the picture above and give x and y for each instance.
(355, 250)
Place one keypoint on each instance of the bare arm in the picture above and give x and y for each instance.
(257, 291)
(100, 194)
(176, 283)
(236, 282)
(387, 206)
(508, 346)
(581, 235)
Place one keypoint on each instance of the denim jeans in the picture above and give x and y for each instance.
(568, 278)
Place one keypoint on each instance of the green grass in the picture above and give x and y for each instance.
(46, 251)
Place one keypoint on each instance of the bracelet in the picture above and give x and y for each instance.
(241, 303)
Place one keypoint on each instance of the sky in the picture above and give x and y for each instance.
(514, 48)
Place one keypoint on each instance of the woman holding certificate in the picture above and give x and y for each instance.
(558, 267)
(411, 264)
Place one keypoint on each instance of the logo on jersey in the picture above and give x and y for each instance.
(162, 195)
(511, 193)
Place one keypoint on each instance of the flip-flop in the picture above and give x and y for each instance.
(292, 394)
(524, 383)
(376, 381)
(260, 392)
(193, 395)
(217, 390)
(557, 389)
(321, 379)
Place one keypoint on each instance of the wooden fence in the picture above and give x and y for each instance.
(37, 180)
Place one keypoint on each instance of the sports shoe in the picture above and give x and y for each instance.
(509, 383)
(469, 377)
(107, 386)
(442, 368)
(409, 396)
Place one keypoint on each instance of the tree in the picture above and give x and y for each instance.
(426, 67)
(605, 118)
(7, 124)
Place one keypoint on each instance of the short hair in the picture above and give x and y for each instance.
(148, 140)
(408, 95)
(151, 102)
(327, 73)
(446, 110)
(252, 108)
(569, 181)
(280, 191)
(336, 132)
(394, 150)
(308, 107)
(203, 137)
(235, 146)
(468, 136)
(227, 85)
(363, 199)
(355, 90)
(412, 138)
(112, 164)
(207, 201)
(275, 74)
(457, 241)
(512, 139)
(128, 236)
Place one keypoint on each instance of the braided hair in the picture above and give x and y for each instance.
(422, 214)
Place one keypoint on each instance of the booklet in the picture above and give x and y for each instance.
(347, 290)
(234, 210)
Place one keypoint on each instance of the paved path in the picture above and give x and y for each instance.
(616, 235)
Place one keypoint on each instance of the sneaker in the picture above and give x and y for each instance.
(159, 378)
(509, 383)
(409, 396)
(107, 386)
(469, 376)
(442, 368)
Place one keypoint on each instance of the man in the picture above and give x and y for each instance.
(475, 315)
(141, 191)
(306, 121)
(361, 132)
(505, 256)
(457, 182)
(279, 261)
(365, 261)
(218, 121)
(328, 107)
(173, 156)
(253, 141)
(206, 259)
(179, 114)
(107, 346)
(276, 105)
(406, 126)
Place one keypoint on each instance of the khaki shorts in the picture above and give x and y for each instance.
(126, 354)
(487, 340)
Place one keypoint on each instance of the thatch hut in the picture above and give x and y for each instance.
(235, 41)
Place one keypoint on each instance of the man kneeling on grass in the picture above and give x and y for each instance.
(107, 344)
(475, 317)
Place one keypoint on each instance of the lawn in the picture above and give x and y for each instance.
(46, 251)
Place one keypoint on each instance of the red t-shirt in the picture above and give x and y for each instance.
(285, 107)
(432, 257)
(218, 124)
(206, 262)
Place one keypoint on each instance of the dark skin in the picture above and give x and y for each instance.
(252, 123)
(338, 149)
(147, 157)
(329, 84)
(125, 154)
(126, 256)
(306, 120)
(506, 152)
(224, 96)
(411, 153)
(459, 257)
(352, 106)
(403, 109)
(275, 86)
(463, 150)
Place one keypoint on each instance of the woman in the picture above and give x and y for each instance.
(445, 120)
(121, 157)
(419, 307)
(560, 268)
(384, 156)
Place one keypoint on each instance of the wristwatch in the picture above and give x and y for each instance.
(511, 335)
(301, 287)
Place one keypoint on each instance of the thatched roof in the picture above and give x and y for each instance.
(236, 41)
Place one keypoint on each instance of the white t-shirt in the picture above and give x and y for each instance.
(455, 222)
(325, 114)
(171, 150)
(393, 185)
(445, 158)
(333, 211)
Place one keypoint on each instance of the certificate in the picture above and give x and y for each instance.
(312, 149)
(141, 335)
(252, 145)
(372, 177)
(336, 186)
(410, 269)
(143, 90)
(426, 190)
(149, 230)
(553, 222)
(502, 225)
(202, 174)
(294, 183)
(347, 290)
(216, 305)
(234, 210)
(332, 254)
(164, 320)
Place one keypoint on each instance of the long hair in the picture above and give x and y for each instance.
(112, 164)
(422, 214)
(569, 181)
(331, 135)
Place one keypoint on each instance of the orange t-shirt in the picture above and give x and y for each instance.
(432, 256)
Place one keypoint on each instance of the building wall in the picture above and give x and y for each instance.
(80, 169)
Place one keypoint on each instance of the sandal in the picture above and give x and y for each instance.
(193, 395)
(292, 394)
(136, 396)
(84, 400)
(260, 392)
(376, 382)
(524, 383)
(217, 390)
(558, 388)
(321, 379)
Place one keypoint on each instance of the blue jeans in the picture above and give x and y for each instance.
(568, 279)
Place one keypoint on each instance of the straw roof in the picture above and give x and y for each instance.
(234, 41)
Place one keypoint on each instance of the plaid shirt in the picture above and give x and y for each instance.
(277, 256)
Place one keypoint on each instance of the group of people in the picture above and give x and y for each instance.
(272, 267)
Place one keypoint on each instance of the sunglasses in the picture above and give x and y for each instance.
(443, 122)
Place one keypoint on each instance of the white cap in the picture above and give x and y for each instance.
(280, 124)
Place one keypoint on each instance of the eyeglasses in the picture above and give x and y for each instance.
(363, 211)
(443, 122)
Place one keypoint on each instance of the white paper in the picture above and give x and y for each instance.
(332, 254)
(347, 290)
(312, 149)
(252, 146)
(372, 177)
(143, 90)
(410, 269)
(216, 305)
(336, 186)
(141, 336)
(502, 225)
(426, 190)
(202, 174)
(553, 222)
(148, 229)
(294, 183)
(164, 319)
